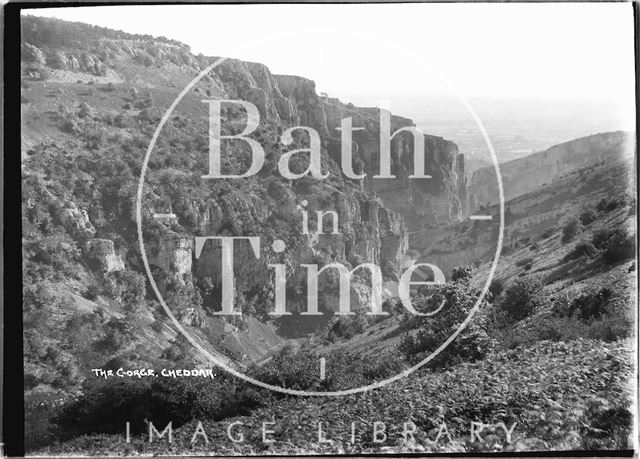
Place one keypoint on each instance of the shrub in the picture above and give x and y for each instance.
(473, 343)
(593, 305)
(121, 120)
(588, 216)
(85, 110)
(620, 246)
(617, 245)
(608, 205)
(519, 298)
(32, 54)
(601, 238)
(524, 261)
(610, 327)
(58, 61)
(548, 232)
(348, 327)
(105, 406)
(126, 287)
(571, 229)
(585, 306)
(605, 425)
(586, 249)
(496, 287)
(299, 370)
(461, 274)
(118, 333)
(92, 292)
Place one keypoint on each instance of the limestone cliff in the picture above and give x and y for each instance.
(533, 213)
(523, 175)
(89, 112)
(292, 100)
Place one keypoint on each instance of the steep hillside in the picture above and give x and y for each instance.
(90, 101)
(529, 215)
(523, 175)
(562, 301)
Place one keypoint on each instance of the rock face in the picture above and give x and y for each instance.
(76, 221)
(292, 101)
(523, 175)
(102, 255)
(367, 233)
(173, 256)
(373, 215)
(527, 216)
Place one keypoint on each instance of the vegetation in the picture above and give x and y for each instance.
(424, 334)
(515, 388)
(588, 216)
(582, 249)
(530, 353)
(571, 229)
(520, 297)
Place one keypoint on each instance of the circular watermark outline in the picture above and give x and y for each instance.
(220, 359)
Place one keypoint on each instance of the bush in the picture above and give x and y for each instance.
(91, 293)
(461, 274)
(33, 55)
(473, 343)
(524, 261)
(548, 232)
(347, 327)
(126, 287)
(118, 334)
(586, 306)
(58, 61)
(601, 238)
(299, 370)
(105, 406)
(571, 229)
(519, 298)
(610, 327)
(609, 205)
(588, 216)
(586, 249)
(619, 247)
(85, 110)
(496, 287)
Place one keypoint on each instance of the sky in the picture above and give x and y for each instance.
(513, 51)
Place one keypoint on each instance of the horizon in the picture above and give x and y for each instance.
(477, 59)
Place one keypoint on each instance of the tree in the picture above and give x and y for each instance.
(33, 55)
(520, 297)
(58, 61)
(571, 229)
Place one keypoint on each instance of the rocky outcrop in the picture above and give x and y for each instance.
(367, 233)
(441, 198)
(523, 175)
(173, 256)
(191, 317)
(102, 255)
(292, 101)
(76, 221)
